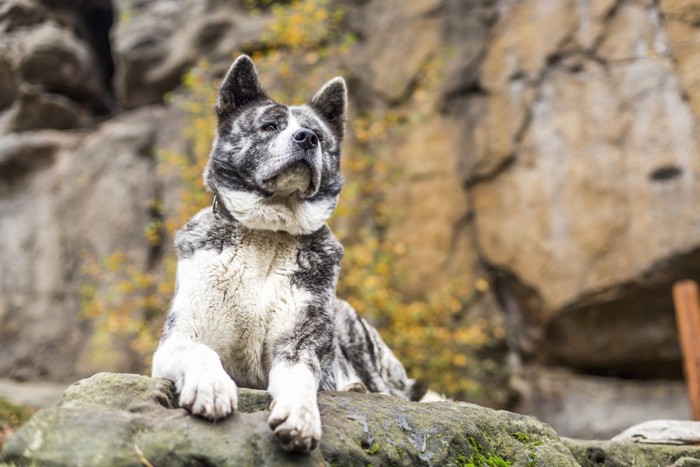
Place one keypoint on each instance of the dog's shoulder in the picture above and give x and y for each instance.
(206, 231)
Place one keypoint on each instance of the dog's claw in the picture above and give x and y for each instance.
(209, 396)
(297, 424)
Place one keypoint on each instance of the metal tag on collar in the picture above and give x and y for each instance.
(215, 204)
(219, 209)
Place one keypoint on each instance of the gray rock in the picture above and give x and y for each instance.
(62, 199)
(663, 432)
(596, 407)
(121, 419)
(686, 462)
(8, 86)
(155, 43)
(23, 154)
(624, 454)
(43, 111)
(54, 58)
(16, 14)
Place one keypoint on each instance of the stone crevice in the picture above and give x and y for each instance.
(458, 230)
(606, 22)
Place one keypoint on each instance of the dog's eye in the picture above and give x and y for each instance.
(269, 127)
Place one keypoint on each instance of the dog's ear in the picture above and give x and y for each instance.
(331, 101)
(239, 87)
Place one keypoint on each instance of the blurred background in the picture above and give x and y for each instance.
(521, 184)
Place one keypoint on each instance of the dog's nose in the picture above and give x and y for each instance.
(305, 138)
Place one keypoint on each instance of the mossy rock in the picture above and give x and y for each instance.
(628, 453)
(119, 419)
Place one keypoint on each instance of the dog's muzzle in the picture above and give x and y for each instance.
(296, 177)
(296, 168)
(300, 174)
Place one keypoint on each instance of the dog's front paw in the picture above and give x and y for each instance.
(296, 422)
(212, 395)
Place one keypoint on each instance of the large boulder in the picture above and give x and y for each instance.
(125, 419)
(114, 419)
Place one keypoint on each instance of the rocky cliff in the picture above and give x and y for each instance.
(548, 155)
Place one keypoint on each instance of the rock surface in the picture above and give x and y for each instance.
(595, 191)
(137, 416)
(672, 432)
(55, 58)
(49, 219)
(155, 43)
(597, 407)
(571, 157)
(122, 419)
(623, 454)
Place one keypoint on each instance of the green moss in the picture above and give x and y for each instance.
(480, 459)
(373, 449)
(475, 445)
(400, 452)
(531, 461)
(491, 460)
(525, 439)
(522, 437)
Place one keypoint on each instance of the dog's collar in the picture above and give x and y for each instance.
(218, 207)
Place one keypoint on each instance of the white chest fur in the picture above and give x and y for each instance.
(240, 301)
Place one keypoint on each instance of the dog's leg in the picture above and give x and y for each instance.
(182, 356)
(294, 410)
(371, 360)
(303, 354)
(205, 388)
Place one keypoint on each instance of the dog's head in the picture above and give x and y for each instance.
(272, 166)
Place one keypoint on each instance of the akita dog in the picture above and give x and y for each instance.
(255, 303)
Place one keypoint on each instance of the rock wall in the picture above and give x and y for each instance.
(562, 160)
(591, 208)
(555, 156)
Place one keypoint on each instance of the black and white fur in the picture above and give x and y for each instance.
(255, 303)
